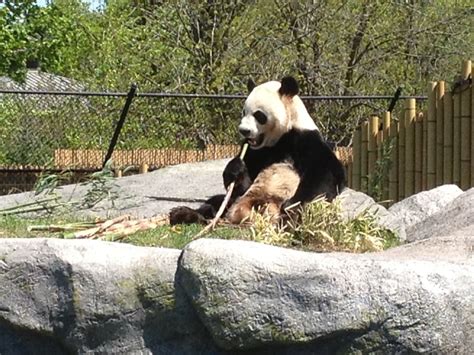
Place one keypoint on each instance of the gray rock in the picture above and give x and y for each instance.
(354, 203)
(253, 296)
(88, 296)
(420, 206)
(455, 218)
(148, 194)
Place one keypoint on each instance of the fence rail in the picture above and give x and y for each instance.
(39, 127)
(424, 149)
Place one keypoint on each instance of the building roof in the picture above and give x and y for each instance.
(37, 80)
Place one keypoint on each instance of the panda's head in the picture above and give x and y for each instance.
(271, 110)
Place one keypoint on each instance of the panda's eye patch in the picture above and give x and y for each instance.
(260, 117)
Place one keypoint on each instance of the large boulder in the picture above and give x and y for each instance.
(456, 217)
(418, 207)
(88, 296)
(354, 203)
(253, 296)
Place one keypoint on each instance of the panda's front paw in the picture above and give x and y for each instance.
(185, 215)
(234, 170)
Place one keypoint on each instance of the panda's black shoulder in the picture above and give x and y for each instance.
(304, 141)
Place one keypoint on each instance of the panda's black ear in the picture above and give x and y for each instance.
(250, 85)
(289, 86)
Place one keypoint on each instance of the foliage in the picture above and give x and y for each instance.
(100, 187)
(321, 227)
(378, 179)
(334, 48)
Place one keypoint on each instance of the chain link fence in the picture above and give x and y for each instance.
(35, 125)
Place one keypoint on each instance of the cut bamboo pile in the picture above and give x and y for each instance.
(429, 148)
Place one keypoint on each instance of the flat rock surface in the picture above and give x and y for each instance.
(147, 195)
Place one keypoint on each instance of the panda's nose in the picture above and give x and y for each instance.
(244, 132)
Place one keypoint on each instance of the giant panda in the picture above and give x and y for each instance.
(288, 161)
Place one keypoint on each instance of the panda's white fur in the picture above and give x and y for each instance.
(273, 186)
(283, 114)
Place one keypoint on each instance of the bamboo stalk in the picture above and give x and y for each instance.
(386, 140)
(224, 204)
(418, 153)
(448, 138)
(456, 140)
(372, 143)
(364, 156)
(36, 202)
(472, 129)
(401, 157)
(465, 113)
(356, 160)
(431, 138)
(440, 92)
(424, 171)
(393, 174)
(410, 147)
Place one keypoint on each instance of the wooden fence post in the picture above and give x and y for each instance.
(456, 139)
(439, 132)
(448, 138)
(465, 113)
(401, 157)
(393, 174)
(410, 107)
(364, 156)
(418, 152)
(386, 140)
(356, 157)
(431, 137)
(143, 168)
(373, 132)
(472, 129)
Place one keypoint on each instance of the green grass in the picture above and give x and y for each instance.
(320, 227)
(179, 236)
(165, 236)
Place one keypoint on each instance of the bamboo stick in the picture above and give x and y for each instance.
(472, 129)
(456, 139)
(410, 147)
(401, 157)
(393, 174)
(431, 138)
(372, 143)
(364, 156)
(386, 140)
(440, 92)
(465, 113)
(356, 160)
(143, 168)
(418, 153)
(424, 171)
(448, 138)
(224, 204)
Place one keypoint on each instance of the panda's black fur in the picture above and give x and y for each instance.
(301, 145)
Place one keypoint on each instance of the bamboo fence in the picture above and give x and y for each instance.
(394, 159)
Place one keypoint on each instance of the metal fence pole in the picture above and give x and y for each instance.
(131, 94)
